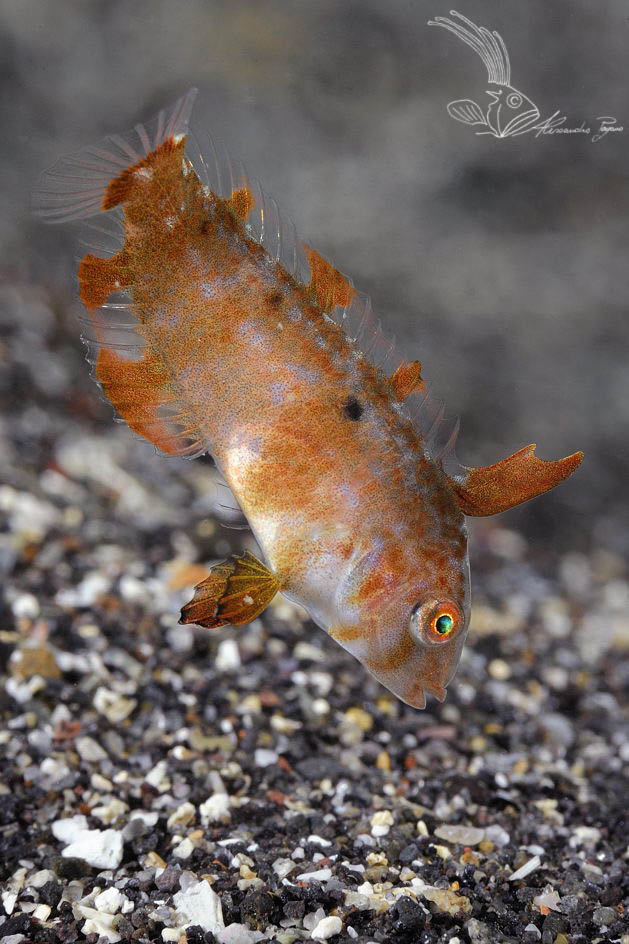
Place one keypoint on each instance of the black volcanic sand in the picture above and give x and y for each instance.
(167, 783)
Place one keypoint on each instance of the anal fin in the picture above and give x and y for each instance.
(235, 591)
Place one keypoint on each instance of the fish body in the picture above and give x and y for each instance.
(247, 356)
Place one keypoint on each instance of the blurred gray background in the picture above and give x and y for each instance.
(501, 264)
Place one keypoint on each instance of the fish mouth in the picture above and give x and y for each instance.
(436, 690)
(520, 123)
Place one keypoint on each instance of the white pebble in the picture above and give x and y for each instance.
(112, 705)
(199, 904)
(465, 835)
(89, 750)
(497, 835)
(322, 875)
(227, 656)
(381, 822)
(93, 586)
(548, 899)
(26, 606)
(327, 928)
(111, 811)
(184, 850)
(239, 934)
(158, 778)
(100, 849)
(526, 869)
(319, 840)
(110, 901)
(42, 913)
(182, 816)
(98, 923)
(216, 809)
(69, 829)
(264, 757)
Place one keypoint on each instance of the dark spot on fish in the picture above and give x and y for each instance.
(205, 227)
(353, 408)
(275, 299)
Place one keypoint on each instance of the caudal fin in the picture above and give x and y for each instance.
(75, 186)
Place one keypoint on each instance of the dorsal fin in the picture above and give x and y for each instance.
(74, 187)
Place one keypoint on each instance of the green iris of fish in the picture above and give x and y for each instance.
(444, 625)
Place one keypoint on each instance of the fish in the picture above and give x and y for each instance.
(509, 111)
(213, 330)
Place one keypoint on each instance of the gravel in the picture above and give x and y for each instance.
(160, 783)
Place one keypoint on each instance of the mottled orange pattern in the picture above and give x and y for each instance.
(354, 515)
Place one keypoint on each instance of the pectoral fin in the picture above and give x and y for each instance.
(467, 111)
(494, 488)
(235, 591)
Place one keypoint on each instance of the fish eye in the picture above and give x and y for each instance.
(514, 100)
(435, 621)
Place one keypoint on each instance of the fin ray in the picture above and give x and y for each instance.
(74, 187)
(516, 479)
(235, 591)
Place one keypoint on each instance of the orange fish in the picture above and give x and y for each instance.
(214, 331)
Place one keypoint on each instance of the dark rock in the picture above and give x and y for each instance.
(50, 893)
(70, 867)
(257, 909)
(406, 918)
(168, 880)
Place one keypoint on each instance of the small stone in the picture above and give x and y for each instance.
(532, 932)
(111, 811)
(69, 829)
(499, 669)
(42, 912)
(360, 718)
(445, 900)
(227, 656)
(112, 705)
(263, 757)
(381, 822)
(239, 934)
(548, 899)
(216, 809)
(497, 835)
(526, 869)
(158, 777)
(604, 916)
(110, 901)
(199, 904)
(182, 816)
(25, 606)
(465, 835)
(168, 880)
(98, 923)
(100, 849)
(89, 750)
(321, 875)
(327, 928)
(185, 849)
(38, 661)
